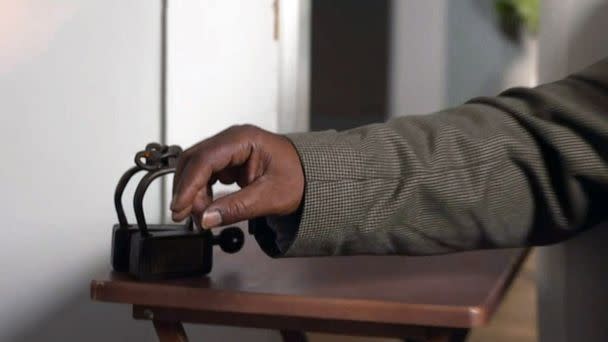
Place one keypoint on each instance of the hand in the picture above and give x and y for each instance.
(265, 165)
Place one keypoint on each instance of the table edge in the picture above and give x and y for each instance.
(364, 310)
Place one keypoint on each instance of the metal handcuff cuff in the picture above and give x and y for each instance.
(161, 251)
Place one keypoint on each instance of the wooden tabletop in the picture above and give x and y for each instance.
(458, 290)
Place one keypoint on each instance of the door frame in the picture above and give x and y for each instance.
(294, 65)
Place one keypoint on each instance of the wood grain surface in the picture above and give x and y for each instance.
(456, 290)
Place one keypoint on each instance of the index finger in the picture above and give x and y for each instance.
(215, 155)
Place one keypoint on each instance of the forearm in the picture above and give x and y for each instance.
(524, 168)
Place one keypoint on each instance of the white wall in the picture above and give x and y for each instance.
(572, 283)
(294, 66)
(79, 94)
(417, 57)
(222, 68)
(446, 52)
(222, 71)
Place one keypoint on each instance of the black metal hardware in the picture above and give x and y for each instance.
(162, 250)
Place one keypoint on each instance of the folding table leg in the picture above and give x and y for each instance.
(170, 331)
(293, 336)
(443, 335)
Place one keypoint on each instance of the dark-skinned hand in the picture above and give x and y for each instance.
(265, 165)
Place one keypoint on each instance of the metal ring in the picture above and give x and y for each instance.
(138, 198)
(120, 188)
(159, 160)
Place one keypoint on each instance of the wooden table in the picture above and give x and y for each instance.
(435, 298)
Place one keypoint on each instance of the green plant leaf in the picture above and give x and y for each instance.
(515, 15)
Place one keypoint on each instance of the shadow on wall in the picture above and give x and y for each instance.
(481, 60)
(77, 318)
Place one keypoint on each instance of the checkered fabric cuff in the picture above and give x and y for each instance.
(340, 183)
(327, 160)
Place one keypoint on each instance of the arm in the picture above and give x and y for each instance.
(528, 167)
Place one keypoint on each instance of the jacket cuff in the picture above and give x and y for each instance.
(325, 156)
(265, 236)
(327, 219)
(303, 231)
(275, 234)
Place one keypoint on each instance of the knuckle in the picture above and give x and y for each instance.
(237, 209)
(244, 134)
(232, 128)
(249, 128)
(252, 134)
(244, 129)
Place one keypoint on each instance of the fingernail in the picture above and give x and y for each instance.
(211, 219)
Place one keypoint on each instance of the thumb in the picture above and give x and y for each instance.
(245, 204)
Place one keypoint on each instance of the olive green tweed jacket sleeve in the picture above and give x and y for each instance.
(528, 167)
